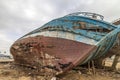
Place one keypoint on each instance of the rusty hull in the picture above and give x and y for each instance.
(50, 54)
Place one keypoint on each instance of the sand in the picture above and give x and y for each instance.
(9, 71)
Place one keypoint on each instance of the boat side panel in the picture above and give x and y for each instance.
(67, 23)
(66, 35)
(57, 53)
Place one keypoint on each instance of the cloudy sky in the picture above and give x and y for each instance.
(18, 17)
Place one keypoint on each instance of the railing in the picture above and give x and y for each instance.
(87, 14)
(116, 22)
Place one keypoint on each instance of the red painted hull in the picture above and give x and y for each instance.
(50, 53)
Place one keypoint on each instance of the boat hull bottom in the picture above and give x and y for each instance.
(50, 54)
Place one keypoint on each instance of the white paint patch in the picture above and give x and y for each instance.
(65, 35)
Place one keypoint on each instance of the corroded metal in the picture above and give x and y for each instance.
(52, 53)
(65, 42)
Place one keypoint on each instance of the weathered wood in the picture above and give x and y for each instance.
(115, 50)
(115, 62)
(99, 63)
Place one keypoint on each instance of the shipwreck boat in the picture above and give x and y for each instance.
(66, 42)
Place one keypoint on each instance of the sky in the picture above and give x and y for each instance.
(18, 17)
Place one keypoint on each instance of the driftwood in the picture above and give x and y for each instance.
(115, 61)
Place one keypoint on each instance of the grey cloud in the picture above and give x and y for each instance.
(18, 17)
